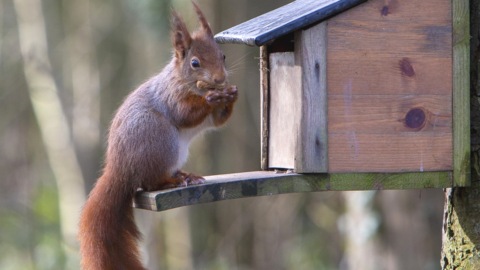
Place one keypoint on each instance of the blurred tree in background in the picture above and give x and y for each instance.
(66, 65)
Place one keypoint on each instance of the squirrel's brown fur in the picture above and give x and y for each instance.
(148, 143)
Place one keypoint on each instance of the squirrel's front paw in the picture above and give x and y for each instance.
(227, 96)
(231, 94)
(215, 97)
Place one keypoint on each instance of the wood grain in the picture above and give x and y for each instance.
(367, 73)
(388, 113)
(252, 184)
(392, 37)
(401, 11)
(390, 87)
(400, 152)
(311, 55)
(284, 112)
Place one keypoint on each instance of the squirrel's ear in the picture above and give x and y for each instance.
(203, 21)
(181, 38)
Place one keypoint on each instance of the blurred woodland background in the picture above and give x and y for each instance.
(66, 65)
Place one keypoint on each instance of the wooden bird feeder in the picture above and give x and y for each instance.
(355, 96)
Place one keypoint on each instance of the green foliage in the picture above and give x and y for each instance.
(30, 237)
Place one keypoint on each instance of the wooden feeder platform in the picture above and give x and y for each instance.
(356, 95)
(264, 183)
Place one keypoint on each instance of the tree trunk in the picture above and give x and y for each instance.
(461, 229)
(461, 226)
(51, 120)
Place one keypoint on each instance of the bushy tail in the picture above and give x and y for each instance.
(108, 234)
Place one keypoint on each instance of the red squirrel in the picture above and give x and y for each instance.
(148, 143)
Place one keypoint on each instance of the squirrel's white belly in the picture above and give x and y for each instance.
(186, 136)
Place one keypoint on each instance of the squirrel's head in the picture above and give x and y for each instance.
(198, 56)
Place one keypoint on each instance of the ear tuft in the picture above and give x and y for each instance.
(203, 20)
(181, 39)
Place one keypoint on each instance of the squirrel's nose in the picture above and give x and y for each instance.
(218, 79)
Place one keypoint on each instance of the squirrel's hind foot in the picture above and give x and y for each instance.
(185, 179)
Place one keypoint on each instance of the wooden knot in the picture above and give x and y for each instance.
(406, 67)
(415, 119)
(385, 11)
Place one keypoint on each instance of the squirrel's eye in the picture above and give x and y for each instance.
(195, 63)
(224, 57)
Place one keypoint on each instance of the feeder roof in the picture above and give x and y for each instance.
(283, 20)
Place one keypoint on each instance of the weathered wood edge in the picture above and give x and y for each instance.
(286, 19)
(262, 183)
(312, 145)
(461, 93)
(264, 101)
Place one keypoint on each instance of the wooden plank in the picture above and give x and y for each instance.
(283, 20)
(411, 58)
(429, 39)
(252, 184)
(264, 100)
(311, 154)
(284, 111)
(367, 73)
(391, 152)
(461, 93)
(390, 113)
(401, 11)
(389, 87)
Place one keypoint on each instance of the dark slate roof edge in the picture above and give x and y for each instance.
(322, 12)
(305, 21)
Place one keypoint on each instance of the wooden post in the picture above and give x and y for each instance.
(461, 224)
(461, 93)
(311, 154)
(264, 98)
